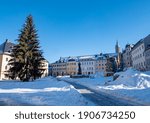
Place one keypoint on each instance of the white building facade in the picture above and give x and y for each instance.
(138, 56)
(147, 58)
(88, 65)
(5, 51)
(45, 66)
(59, 68)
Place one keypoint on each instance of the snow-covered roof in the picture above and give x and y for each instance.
(101, 57)
(87, 57)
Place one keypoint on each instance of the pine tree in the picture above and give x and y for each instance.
(26, 62)
(111, 65)
(14, 63)
(79, 69)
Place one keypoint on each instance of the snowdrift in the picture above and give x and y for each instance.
(133, 78)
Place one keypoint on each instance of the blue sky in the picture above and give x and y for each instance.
(77, 27)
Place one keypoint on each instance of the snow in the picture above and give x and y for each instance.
(92, 82)
(131, 85)
(46, 91)
(87, 57)
(132, 79)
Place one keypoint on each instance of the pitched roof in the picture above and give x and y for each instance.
(6, 47)
(145, 40)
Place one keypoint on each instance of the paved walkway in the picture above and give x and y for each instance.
(100, 98)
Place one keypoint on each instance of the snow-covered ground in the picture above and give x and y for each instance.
(131, 85)
(46, 91)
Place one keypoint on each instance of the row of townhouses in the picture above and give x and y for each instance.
(90, 64)
(5, 51)
(138, 55)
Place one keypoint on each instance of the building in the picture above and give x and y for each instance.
(72, 66)
(117, 48)
(139, 54)
(118, 56)
(127, 61)
(88, 64)
(45, 66)
(101, 64)
(147, 57)
(59, 68)
(5, 51)
(50, 69)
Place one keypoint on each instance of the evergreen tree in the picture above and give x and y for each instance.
(111, 65)
(26, 62)
(79, 69)
(14, 63)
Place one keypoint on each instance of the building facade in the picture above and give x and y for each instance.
(59, 68)
(138, 56)
(5, 51)
(147, 58)
(45, 66)
(127, 61)
(101, 64)
(72, 66)
(88, 65)
(4, 67)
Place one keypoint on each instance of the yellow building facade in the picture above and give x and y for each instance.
(72, 67)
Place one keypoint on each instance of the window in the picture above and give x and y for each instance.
(6, 59)
(5, 67)
(5, 76)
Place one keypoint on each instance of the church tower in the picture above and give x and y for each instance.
(118, 52)
(117, 48)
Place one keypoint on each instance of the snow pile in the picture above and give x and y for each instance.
(43, 92)
(132, 78)
(99, 74)
(131, 85)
